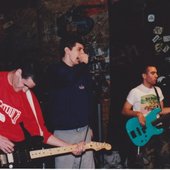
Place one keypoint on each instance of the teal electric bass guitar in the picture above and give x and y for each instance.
(140, 135)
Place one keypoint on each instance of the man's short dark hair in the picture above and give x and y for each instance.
(145, 65)
(30, 68)
(69, 41)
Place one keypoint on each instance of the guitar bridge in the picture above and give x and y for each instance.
(3, 160)
(133, 134)
(6, 160)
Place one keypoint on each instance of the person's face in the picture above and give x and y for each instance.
(151, 75)
(75, 53)
(20, 83)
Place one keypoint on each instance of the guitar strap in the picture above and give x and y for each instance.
(167, 119)
(158, 98)
(29, 97)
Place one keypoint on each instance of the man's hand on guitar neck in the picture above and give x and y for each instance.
(165, 110)
(79, 149)
(141, 118)
(6, 145)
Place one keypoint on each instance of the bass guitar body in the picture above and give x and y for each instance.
(140, 135)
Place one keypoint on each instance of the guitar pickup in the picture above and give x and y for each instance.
(138, 130)
(133, 134)
(144, 129)
(3, 160)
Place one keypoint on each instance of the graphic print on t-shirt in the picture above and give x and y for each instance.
(9, 111)
(148, 103)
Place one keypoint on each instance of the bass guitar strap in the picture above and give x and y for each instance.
(167, 119)
(158, 98)
(30, 100)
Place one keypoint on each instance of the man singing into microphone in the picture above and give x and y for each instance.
(70, 101)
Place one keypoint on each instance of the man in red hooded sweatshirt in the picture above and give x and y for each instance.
(18, 104)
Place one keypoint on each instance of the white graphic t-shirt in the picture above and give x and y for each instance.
(144, 99)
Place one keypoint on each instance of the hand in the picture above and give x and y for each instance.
(165, 110)
(141, 118)
(84, 58)
(79, 149)
(6, 145)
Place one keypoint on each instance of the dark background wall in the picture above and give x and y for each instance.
(31, 29)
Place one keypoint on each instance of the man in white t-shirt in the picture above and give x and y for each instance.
(140, 101)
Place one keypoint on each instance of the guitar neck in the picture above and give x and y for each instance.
(66, 149)
(50, 152)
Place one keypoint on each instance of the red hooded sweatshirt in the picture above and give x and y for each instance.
(14, 109)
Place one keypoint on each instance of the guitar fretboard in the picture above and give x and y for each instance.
(67, 149)
(50, 152)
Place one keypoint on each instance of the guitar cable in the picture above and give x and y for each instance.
(84, 141)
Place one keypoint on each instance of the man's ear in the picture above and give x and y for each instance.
(143, 75)
(18, 72)
(66, 49)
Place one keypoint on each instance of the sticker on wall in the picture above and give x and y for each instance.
(151, 18)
